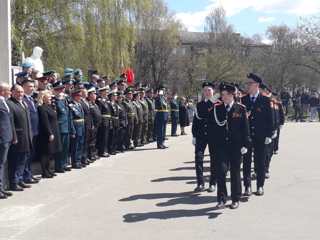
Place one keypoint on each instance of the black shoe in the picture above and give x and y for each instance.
(47, 176)
(260, 191)
(267, 175)
(16, 188)
(165, 146)
(174, 135)
(104, 155)
(60, 171)
(234, 205)
(31, 181)
(221, 205)
(23, 185)
(199, 189)
(211, 189)
(275, 153)
(3, 196)
(36, 178)
(67, 169)
(8, 194)
(76, 167)
(247, 192)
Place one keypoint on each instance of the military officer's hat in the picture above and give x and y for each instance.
(92, 90)
(67, 81)
(49, 73)
(104, 88)
(128, 91)
(255, 78)
(208, 84)
(58, 85)
(27, 65)
(227, 87)
(76, 92)
(112, 93)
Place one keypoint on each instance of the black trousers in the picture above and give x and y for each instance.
(137, 134)
(257, 151)
(200, 148)
(269, 154)
(92, 149)
(276, 141)
(228, 156)
(102, 139)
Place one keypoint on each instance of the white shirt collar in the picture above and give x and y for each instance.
(230, 105)
(256, 95)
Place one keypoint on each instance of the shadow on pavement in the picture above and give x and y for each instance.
(170, 214)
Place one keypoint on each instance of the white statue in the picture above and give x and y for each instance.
(36, 61)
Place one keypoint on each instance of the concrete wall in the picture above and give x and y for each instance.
(5, 41)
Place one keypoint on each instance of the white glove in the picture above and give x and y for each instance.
(244, 150)
(194, 141)
(275, 134)
(267, 141)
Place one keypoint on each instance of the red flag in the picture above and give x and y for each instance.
(130, 76)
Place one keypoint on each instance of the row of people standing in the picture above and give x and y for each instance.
(69, 124)
(237, 128)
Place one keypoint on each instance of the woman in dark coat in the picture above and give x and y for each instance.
(49, 135)
(183, 116)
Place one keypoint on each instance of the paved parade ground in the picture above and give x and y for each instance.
(147, 195)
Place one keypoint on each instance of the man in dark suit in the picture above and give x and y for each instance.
(6, 135)
(21, 148)
(231, 139)
(28, 87)
(174, 109)
(261, 125)
(201, 132)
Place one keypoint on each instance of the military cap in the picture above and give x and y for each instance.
(92, 90)
(227, 87)
(207, 84)
(58, 85)
(255, 78)
(76, 92)
(21, 74)
(43, 78)
(105, 88)
(49, 73)
(68, 81)
(27, 65)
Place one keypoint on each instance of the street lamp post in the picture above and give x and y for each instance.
(5, 41)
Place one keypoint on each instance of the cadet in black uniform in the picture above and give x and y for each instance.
(104, 128)
(174, 110)
(231, 140)
(202, 130)
(260, 120)
(115, 123)
(96, 121)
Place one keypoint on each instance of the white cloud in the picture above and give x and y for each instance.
(194, 21)
(266, 19)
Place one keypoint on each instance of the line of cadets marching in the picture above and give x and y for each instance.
(237, 129)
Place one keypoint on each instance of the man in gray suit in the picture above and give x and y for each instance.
(6, 135)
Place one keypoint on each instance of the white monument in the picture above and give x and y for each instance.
(5, 41)
(36, 61)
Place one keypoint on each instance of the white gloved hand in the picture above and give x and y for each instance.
(275, 134)
(244, 150)
(194, 141)
(268, 141)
